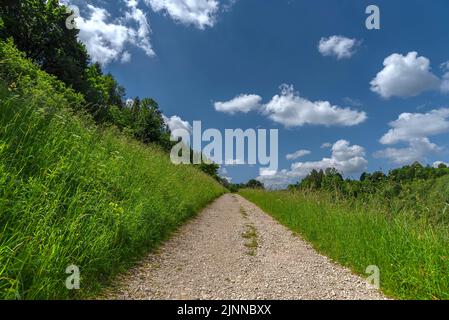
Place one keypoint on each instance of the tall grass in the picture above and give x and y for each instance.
(73, 194)
(412, 255)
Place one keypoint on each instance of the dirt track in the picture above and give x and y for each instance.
(233, 250)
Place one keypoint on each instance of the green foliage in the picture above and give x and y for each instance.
(397, 221)
(254, 184)
(143, 120)
(411, 188)
(411, 253)
(75, 193)
(103, 92)
(38, 28)
(25, 78)
(210, 168)
(251, 184)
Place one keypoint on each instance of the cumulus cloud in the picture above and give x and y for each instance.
(291, 110)
(200, 13)
(326, 145)
(444, 86)
(277, 180)
(142, 34)
(242, 103)
(346, 158)
(410, 126)
(223, 173)
(404, 76)
(338, 46)
(106, 39)
(126, 57)
(418, 149)
(297, 154)
(175, 122)
(414, 130)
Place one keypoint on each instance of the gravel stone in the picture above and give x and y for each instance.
(207, 259)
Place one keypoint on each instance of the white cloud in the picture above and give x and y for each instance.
(126, 57)
(175, 122)
(278, 180)
(297, 154)
(347, 159)
(418, 150)
(343, 151)
(106, 40)
(223, 173)
(444, 86)
(200, 13)
(410, 126)
(352, 102)
(242, 103)
(142, 34)
(326, 145)
(129, 102)
(404, 76)
(291, 110)
(414, 129)
(338, 46)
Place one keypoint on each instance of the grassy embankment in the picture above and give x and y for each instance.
(411, 253)
(72, 193)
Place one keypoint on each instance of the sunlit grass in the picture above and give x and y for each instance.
(413, 256)
(71, 193)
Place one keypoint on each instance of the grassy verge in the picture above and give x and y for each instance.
(71, 193)
(413, 256)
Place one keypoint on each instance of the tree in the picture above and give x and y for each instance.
(38, 29)
(378, 176)
(442, 166)
(365, 176)
(312, 181)
(255, 184)
(332, 180)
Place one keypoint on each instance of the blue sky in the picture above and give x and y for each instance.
(189, 55)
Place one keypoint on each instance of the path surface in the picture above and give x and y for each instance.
(233, 250)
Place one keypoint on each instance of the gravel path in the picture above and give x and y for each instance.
(233, 250)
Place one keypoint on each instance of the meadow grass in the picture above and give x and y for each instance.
(71, 193)
(412, 255)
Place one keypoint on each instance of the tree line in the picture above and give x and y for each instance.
(38, 29)
(389, 185)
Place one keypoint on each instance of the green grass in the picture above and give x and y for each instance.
(250, 234)
(412, 255)
(72, 193)
(243, 213)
